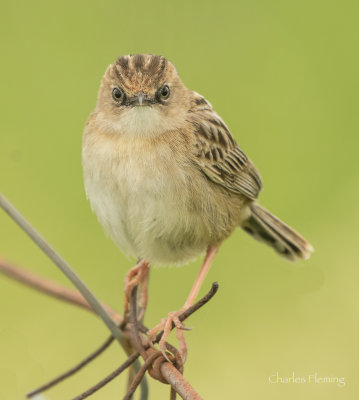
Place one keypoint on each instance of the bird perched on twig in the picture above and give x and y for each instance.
(167, 180)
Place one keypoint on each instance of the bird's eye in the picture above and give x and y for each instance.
(165, 92)
(117, 94)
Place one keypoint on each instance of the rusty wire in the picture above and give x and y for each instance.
(169, 373)
(164, 371)
(153, 359)
(140, 374)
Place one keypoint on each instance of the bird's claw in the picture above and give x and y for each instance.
(166, 326)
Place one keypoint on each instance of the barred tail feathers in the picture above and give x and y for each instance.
(266, 227)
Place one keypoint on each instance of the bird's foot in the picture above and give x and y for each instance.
(138, 275)
(166, 326)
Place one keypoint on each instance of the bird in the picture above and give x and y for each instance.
(167, 180)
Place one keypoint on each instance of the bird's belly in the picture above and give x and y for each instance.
(146, 204)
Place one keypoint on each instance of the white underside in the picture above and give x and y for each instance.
(142, 199)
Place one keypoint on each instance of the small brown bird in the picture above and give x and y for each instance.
(167, 180)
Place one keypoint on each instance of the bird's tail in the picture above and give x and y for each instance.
(267, 228)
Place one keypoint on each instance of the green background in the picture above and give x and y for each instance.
(284, 76)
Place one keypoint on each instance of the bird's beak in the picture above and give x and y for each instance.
(140, 98)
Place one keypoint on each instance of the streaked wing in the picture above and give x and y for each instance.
(218, 155)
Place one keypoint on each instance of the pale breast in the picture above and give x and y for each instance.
(152, 201)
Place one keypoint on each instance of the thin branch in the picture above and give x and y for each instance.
(150, 356)
(108, 378)
(140, 375)
(173, 394)
(63, 266)
(170, 374)
(144, 384)
(73, 297)
(73, 370)
(51, 288)
(176, 380)
(190, 310)
(74, 278)
(134, 322)
(200, 303)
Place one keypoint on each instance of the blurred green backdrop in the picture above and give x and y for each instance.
(284, 76)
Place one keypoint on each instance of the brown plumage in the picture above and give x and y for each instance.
(165, 176)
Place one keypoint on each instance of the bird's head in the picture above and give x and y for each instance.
(142, 95)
